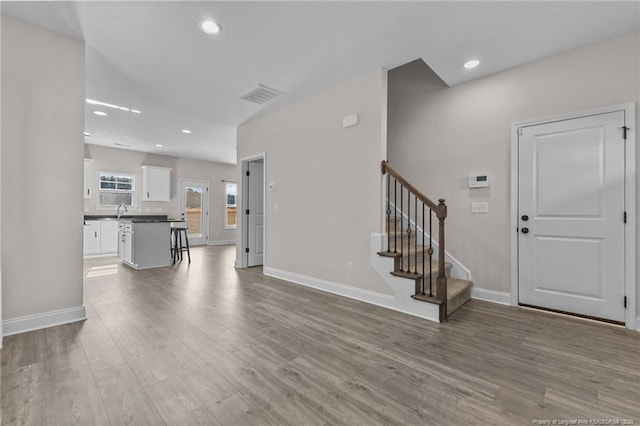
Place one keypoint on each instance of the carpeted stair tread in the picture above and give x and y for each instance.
(409, 275)
(458, 292)
(411, 254)
(434, 264)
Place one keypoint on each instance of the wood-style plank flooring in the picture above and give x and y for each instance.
(208, 344)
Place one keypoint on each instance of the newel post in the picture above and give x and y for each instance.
(441, 282)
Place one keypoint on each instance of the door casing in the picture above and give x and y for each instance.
(241, 226)
(630, 200)
(205, 206)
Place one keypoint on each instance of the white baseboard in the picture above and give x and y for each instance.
(500, 297)
(221, 242)
(406, 305)
(43, 320)
(362, 295)
(638, 324)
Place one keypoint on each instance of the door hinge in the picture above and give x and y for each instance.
(207, 189)
(247, 211)
(247, 172)
(624, 132)
(519, 131)
(625, 301)
(624, 217)
(246, 250)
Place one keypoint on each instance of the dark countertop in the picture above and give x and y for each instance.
(131, 217)
(129, 220)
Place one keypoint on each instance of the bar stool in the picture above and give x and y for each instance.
(176, 247)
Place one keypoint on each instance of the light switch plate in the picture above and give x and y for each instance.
(479, 207)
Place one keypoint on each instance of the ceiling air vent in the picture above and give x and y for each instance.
(261, 94)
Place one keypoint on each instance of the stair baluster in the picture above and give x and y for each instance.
(430, 254)
(401, 225)
(409, 232)
(441, 282)
(415, 238)
(440, 211)
(388, 213)
(395, 216)
(422, 292)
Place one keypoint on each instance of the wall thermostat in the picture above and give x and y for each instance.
(478, 181)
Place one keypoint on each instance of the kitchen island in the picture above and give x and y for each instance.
(144, 242)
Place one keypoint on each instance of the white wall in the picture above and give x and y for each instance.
(438, 136)
(42, 146)
(327, 181)
(119, 160)
(1, 335)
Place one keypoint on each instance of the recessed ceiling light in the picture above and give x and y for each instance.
(159, 145)
(471, 64)
(108, 105)
(210, 27)
(94, 102)
(186, 131)
(100, 113)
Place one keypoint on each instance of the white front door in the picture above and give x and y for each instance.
(255, 217)
(571, 200)
(194, 209)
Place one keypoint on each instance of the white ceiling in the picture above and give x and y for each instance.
(152, 56)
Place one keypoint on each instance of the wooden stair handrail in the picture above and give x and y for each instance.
(440, 209)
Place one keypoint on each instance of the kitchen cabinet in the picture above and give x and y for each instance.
(88, 178)
(91, 237)
(125, 242)
(156, 183)
(144, 244)
(108, 236)
(100, 237)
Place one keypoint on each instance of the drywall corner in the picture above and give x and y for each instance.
(43, 83)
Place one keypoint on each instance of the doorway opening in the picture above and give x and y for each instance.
(252, 221)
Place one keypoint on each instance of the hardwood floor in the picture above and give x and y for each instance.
(206, 344)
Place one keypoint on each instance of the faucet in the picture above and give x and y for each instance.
(118, 214)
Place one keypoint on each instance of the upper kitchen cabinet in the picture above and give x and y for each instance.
(156, 183)
(88, 178)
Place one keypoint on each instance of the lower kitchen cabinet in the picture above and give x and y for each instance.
(91, 237)
(144, 244)
(100, 237)
(108, 236)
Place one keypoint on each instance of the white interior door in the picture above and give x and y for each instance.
(255, 217)
(571, 216)
(194, 209)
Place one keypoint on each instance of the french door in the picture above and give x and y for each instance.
(194, 209)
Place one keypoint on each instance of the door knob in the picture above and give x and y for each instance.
(525, 230)
(525, 217)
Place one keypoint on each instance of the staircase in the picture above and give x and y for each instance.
(409, 225)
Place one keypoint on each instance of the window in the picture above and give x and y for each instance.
(115, 188)
(231, 190)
